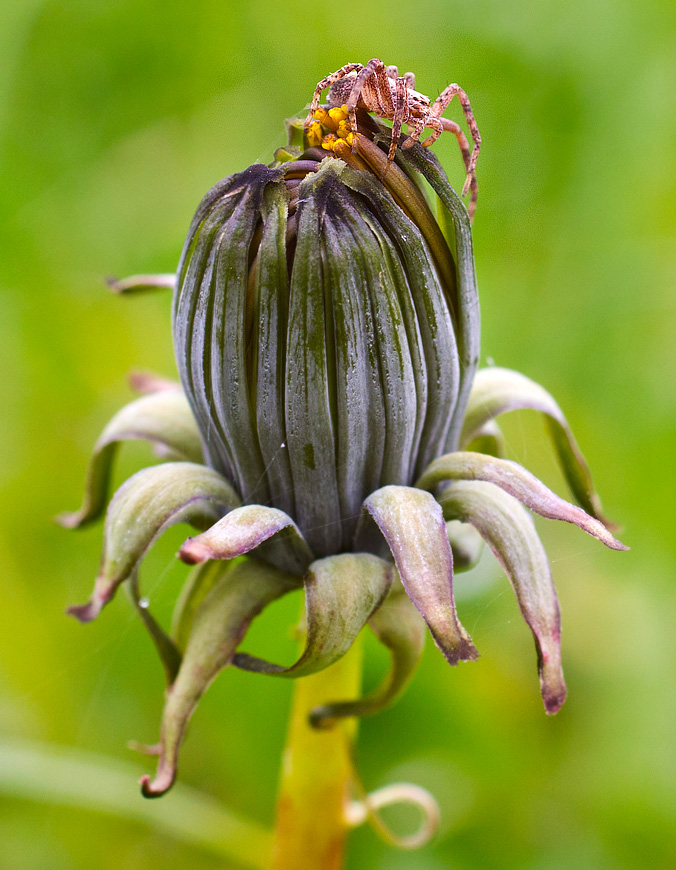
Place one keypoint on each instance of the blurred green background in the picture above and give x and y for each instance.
(115, 118)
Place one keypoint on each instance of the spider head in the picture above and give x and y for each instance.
(418, 104)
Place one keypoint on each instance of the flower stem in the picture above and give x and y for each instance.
(311, 826)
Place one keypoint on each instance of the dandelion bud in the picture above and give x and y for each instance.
(315, 326)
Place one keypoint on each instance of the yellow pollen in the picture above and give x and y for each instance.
(319, 115)
(329, 141)
(349, 138)
(344, 108)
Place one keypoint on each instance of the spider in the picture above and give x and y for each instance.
(381, 90)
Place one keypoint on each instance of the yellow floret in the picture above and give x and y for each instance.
(320, 115)
(314, 134)
(343, 129)
(338, 114)
(344, 108)
(349, 138)
(331, 121)
(329, 141)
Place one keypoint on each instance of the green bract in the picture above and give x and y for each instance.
(332, 432)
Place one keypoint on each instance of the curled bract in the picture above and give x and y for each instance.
(412, 523)
(247, 528)
(145, 506)
(367, 809)
(399, 627)
(515, 480)
(496, 391)
(341, 594)
(238, 594)
(162, 418)
(509, 531)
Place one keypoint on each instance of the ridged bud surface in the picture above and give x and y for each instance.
(315, 340)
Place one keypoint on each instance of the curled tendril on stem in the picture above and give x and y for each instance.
(366, 809)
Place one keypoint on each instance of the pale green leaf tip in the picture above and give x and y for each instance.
(100, 597)
(72, 519)
(140, 283)
(146, 383)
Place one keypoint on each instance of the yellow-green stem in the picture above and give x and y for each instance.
(311, 829)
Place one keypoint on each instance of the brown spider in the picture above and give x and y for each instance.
(381, 90)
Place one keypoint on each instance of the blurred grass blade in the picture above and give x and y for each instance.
(520, 484)
(68, 777)
(341, 594)
(220, 622)
(162, 418)
(413, 526)
(496, 391)
(145, 506)
(398, 626)
(508, 529)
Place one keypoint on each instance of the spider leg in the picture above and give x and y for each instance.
(438, 125)
(409, 77)
(414, 134)
(437, 128)
(400, 112)
(418, 129)
(327, 82)
(378, 95)
(463, 144)
(456, 129)
(441, 104)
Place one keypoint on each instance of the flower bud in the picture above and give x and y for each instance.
(315, 326)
